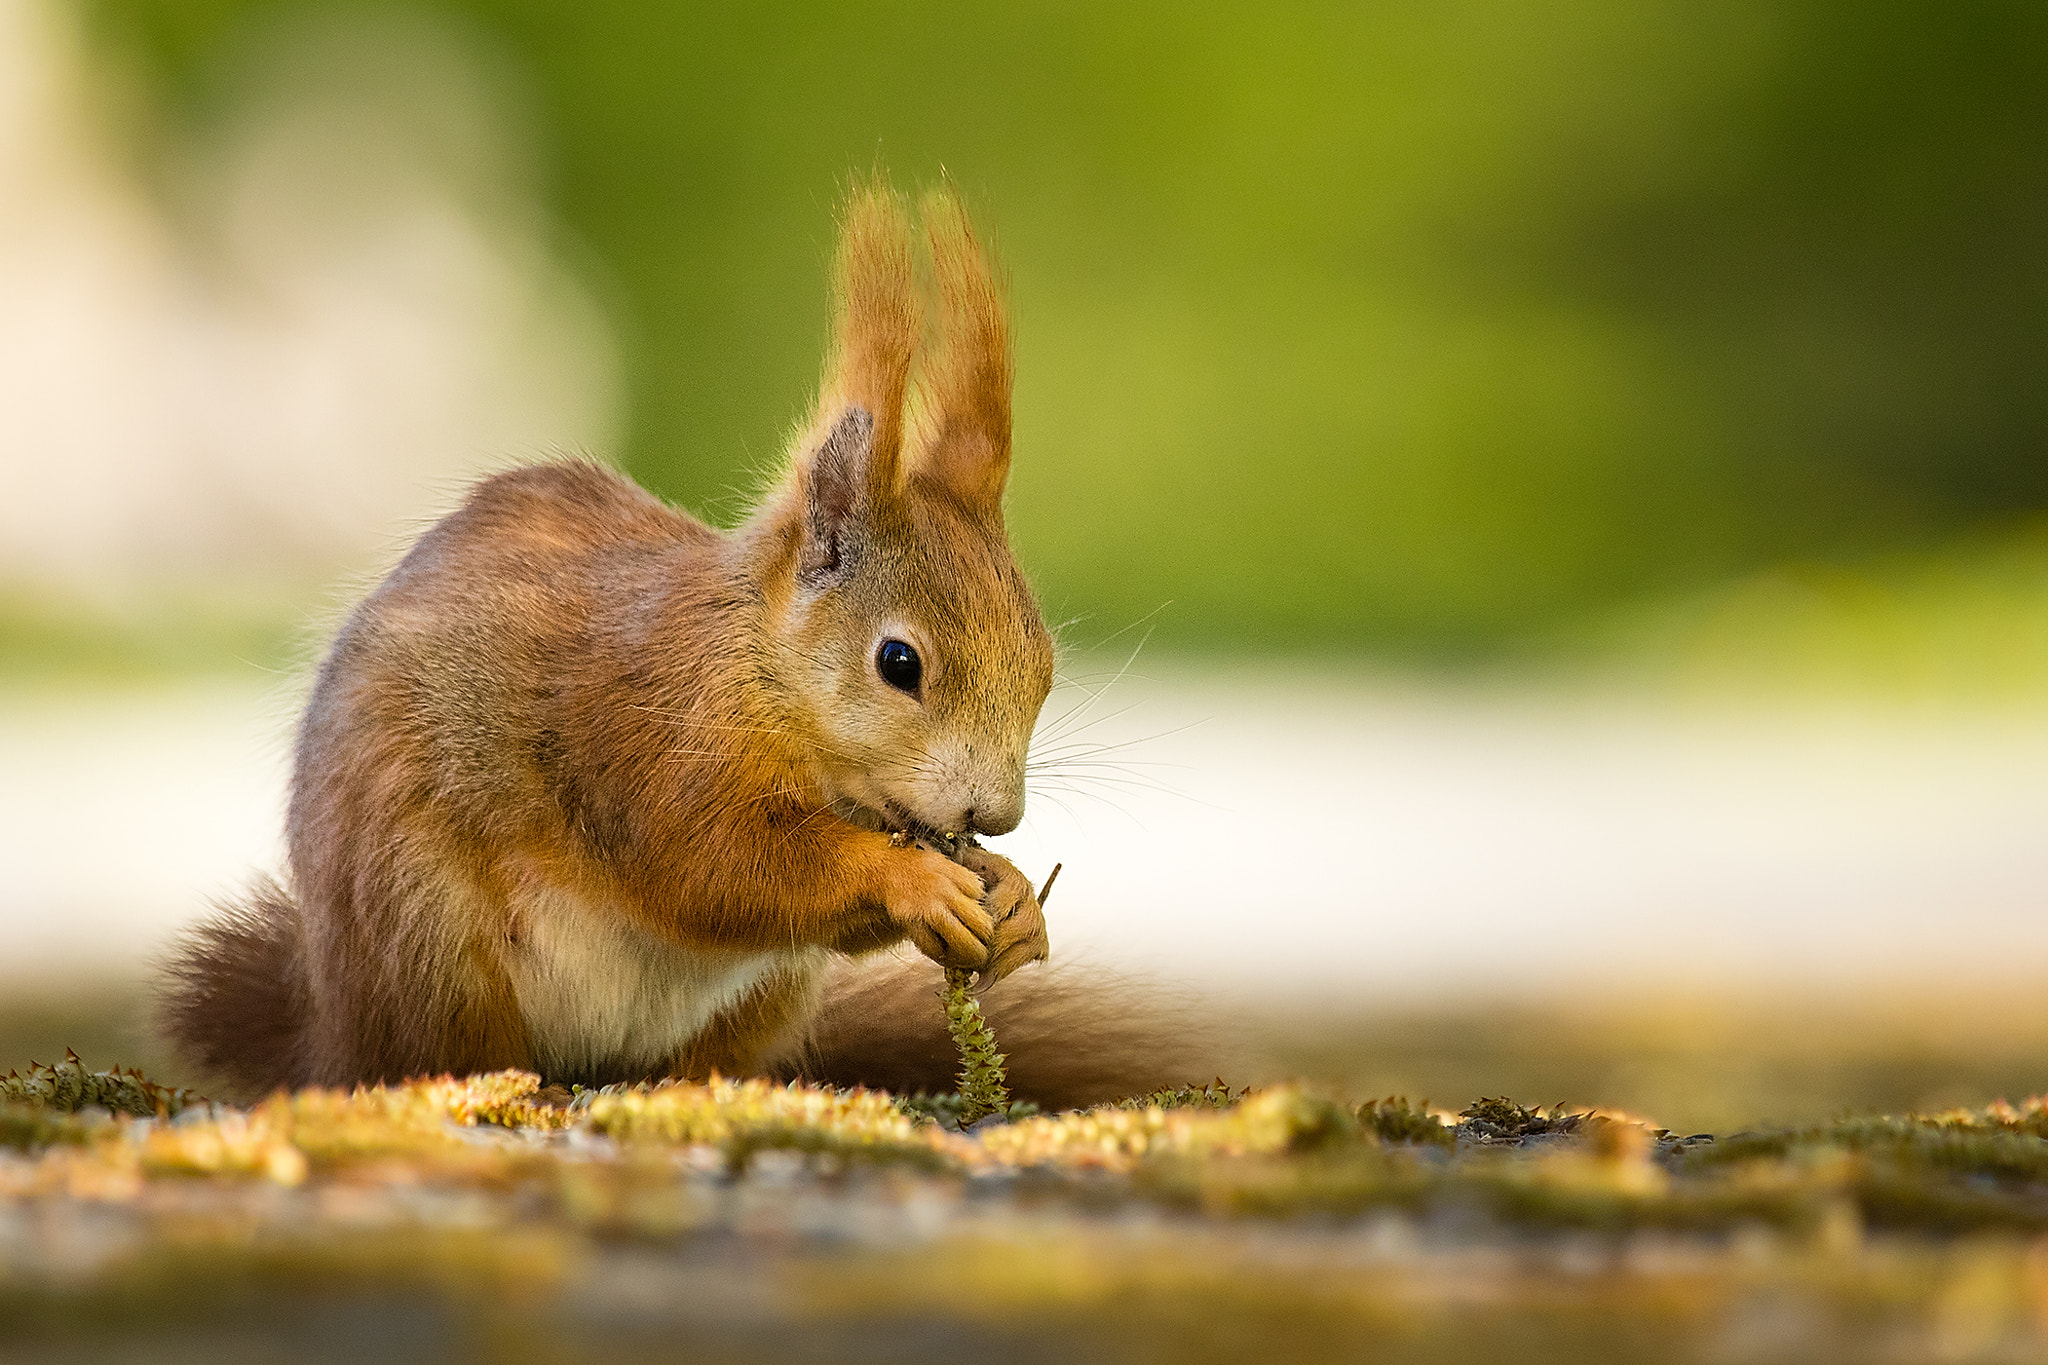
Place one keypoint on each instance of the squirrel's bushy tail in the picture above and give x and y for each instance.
(1074, 1036)
(233, 1001)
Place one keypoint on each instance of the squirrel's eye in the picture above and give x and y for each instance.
(899, 665)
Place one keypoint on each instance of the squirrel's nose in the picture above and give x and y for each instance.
(998, 818)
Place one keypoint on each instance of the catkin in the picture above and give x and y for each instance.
(984, 1086)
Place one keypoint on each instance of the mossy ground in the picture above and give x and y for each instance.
(748, 1221)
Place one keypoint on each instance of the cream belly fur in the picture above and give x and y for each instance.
(599, 995)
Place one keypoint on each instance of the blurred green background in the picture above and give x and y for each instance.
(1427, 331)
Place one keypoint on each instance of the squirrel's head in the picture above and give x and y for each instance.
(912, 657)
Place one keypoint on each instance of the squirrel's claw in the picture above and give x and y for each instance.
(1009, 960)
(1019, 925)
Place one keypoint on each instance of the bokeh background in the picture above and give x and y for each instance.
(1544, 502)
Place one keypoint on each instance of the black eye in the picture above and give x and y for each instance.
(899, 665)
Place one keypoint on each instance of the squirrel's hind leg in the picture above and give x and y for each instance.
(757, 1034)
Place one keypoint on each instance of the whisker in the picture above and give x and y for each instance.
(1103, 800)
(1067, 809)
(1130, 782)
(1119, 776)
(1079, 749)
(1123, 671)
(1125, 630)
(1056, 766)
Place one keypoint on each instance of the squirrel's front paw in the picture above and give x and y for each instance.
(1019, 923)
(937, 903)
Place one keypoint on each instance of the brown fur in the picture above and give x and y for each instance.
(237, 993)
(588, 787)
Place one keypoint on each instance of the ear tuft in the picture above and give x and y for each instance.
(834, 476)
(962, 405)
(963, 411)
(878, 321)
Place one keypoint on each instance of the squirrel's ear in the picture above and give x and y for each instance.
(834, 476)
(963, 407)
(877, 321)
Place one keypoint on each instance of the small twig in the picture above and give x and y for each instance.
(1045, 891)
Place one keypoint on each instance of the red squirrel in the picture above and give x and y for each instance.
(589, 788)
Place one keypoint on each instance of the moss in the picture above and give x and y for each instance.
(1502, 1120)
(744, 1118)
(1212, 1095)
(950, 1109)
(1283, 1150)
(1284, 1119)
(68, 1087)
(26, 1126)
(1393, 1119)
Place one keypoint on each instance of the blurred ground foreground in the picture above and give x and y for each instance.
(492, 1218)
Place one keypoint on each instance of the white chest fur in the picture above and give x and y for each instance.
(601, 996)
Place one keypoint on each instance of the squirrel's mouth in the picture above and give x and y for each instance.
(896, 820)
